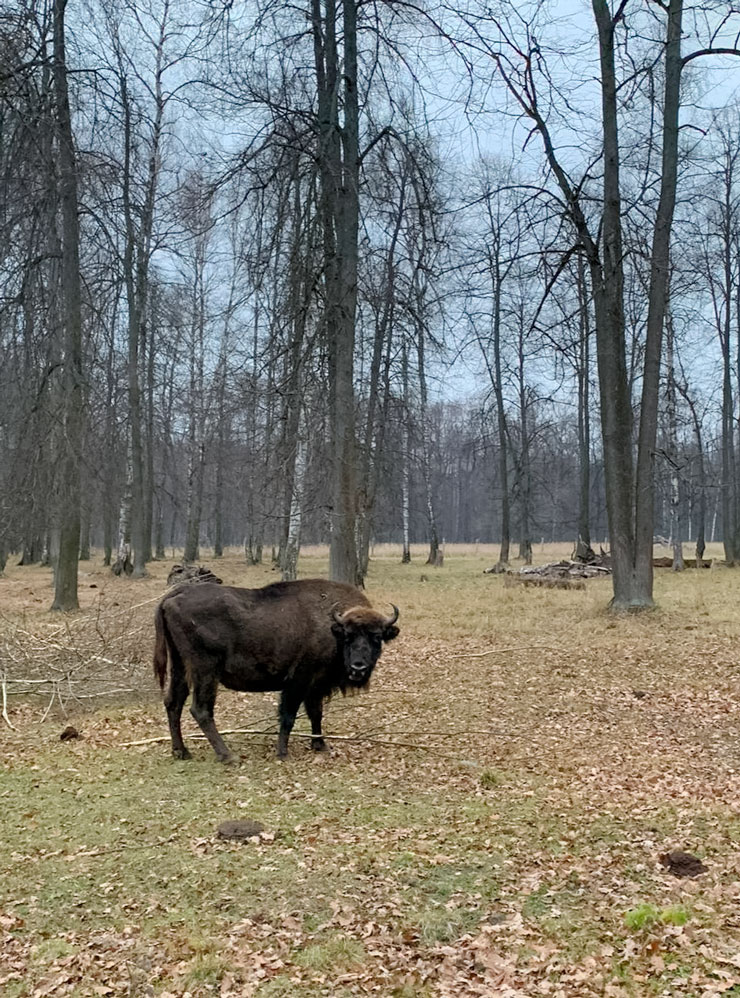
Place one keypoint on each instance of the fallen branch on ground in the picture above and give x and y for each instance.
(273, 734)
(494, 651)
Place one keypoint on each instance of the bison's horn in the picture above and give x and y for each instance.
(394, 618)
(336, 617)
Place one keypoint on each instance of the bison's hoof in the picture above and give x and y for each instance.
(181, 753)
(229, 760)
(319, 745)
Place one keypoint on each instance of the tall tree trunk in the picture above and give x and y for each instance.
(728, 457)
(110, 439)
(218, 495)
(729, 467)
(702, 515)
(435, 555)
(135, 320)
(150, 337)
(734, 293)
(137, 251)
(374, 471)
(372, 451)
(339, 163)
(299, 291)
(676, 525)
(221, 434)
(167, 406)
(123, 565)
(584, 417)
(406, 456)
(196, 462)
(196, 442)
(65, 576)
(502, 431)
(289, 564)
(107, 531)
(85, 526)
(378, 451)
(525, 468)
(657, 306)
(253, 533)
(607, 281)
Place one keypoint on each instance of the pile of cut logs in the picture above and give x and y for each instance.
(564, 574)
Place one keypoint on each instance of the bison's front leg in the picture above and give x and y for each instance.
(289, 704)
(204, 700)
(315, 711)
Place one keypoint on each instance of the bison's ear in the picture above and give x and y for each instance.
(390, 633)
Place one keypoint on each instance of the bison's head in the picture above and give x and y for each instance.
(360, 632)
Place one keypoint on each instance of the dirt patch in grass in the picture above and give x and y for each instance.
(509, 843)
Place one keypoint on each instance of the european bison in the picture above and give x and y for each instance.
(307, 639)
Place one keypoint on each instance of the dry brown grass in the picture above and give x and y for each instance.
(512, 852)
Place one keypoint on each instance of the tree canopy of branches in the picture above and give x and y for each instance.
(263, 283)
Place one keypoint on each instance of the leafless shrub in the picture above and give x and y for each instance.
(97, 653)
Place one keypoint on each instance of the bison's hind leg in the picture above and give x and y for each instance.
(204, 700)
(174, 701)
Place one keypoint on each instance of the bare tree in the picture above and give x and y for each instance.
(65, 576)
(673, 455)
(496, 259)
(335, 61)
(629, 489)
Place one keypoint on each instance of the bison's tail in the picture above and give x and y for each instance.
(160, 646)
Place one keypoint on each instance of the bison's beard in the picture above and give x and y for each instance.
(359, 682)
(351, 687)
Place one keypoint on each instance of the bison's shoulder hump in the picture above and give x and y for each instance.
(313, 589)
(204, 597)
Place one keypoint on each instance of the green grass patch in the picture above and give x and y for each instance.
(206, 968)
(647, 916)
(443, 925)
(336, 954)
(491, 778)
(277, 987)
(49, 950)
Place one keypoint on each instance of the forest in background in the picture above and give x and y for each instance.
(265, 263)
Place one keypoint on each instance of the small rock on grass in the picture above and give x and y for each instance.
(240, 829)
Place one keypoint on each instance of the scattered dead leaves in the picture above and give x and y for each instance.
(514, 853)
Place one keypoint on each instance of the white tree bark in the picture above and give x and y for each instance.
(292, 548)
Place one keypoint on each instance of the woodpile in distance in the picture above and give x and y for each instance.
(688, 563)
(565, 574)
(191, 573)
(573, 574)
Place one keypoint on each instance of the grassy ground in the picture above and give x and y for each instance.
(521, 762)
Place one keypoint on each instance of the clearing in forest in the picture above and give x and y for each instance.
(491, 823)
